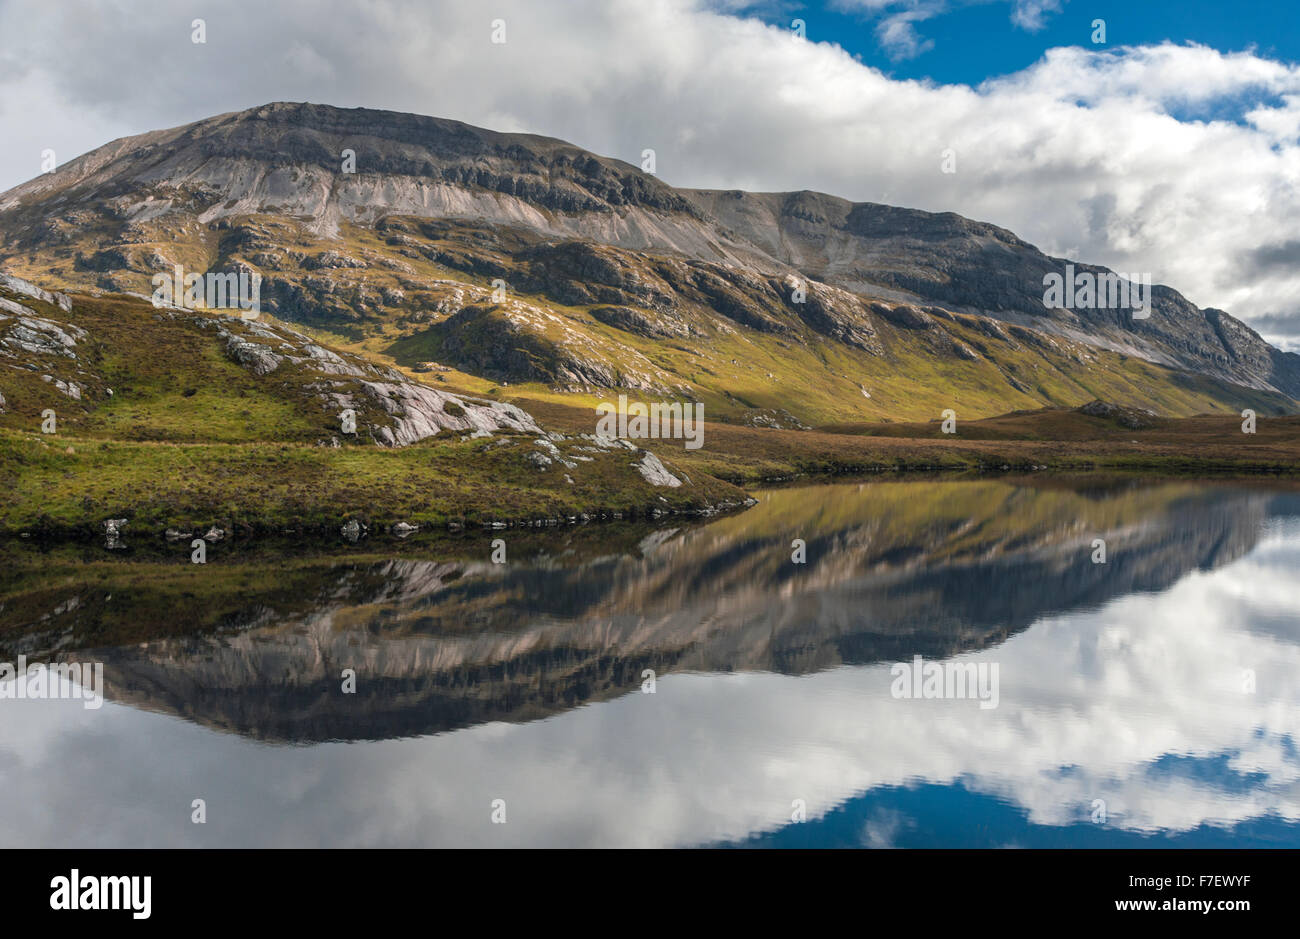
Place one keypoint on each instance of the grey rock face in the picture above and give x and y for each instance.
(410, 411)
(418, 411)
(257, 358)
(977, 267)
(1132, 418)
(654, 472)
(836, 313)
(32, 341)
(36, 335)
(69, 388)
(908, 317)
(18, 285)
(634, 321)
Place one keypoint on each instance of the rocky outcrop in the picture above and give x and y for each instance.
(902, 315)
(518, 342)
(24, 332)
(1132, 418)
(390, 408)
(417, 411)
(30, 334)
(650, 325)
(833, 312)
(33, 341)
(19, 286)
(654, 472)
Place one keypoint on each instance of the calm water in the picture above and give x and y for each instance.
(1151, 700)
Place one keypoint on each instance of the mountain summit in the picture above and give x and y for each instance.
(391, 228)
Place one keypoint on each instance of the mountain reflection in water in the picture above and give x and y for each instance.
(1124, 685)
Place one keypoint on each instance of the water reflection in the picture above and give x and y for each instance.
(1127, 684)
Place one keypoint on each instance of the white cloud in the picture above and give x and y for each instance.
(1178, 160)
(1032, 14)
(897, 34)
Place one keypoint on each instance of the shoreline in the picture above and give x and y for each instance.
(390, 533)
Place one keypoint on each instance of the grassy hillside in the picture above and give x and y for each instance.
(173, 418)
(582, 319)
(170, 428)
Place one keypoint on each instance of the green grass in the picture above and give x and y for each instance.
(265, 487)
(188, 438)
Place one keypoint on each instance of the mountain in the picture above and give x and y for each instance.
(616, 279)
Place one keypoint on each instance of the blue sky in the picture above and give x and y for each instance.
(956, 815)
(967, 42)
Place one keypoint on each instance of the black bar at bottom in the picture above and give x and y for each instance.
(332, 887)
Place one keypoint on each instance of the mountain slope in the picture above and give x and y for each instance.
(615, 279)
(977, 267)
(111, 409)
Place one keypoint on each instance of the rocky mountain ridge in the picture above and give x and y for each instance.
(269, 188)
